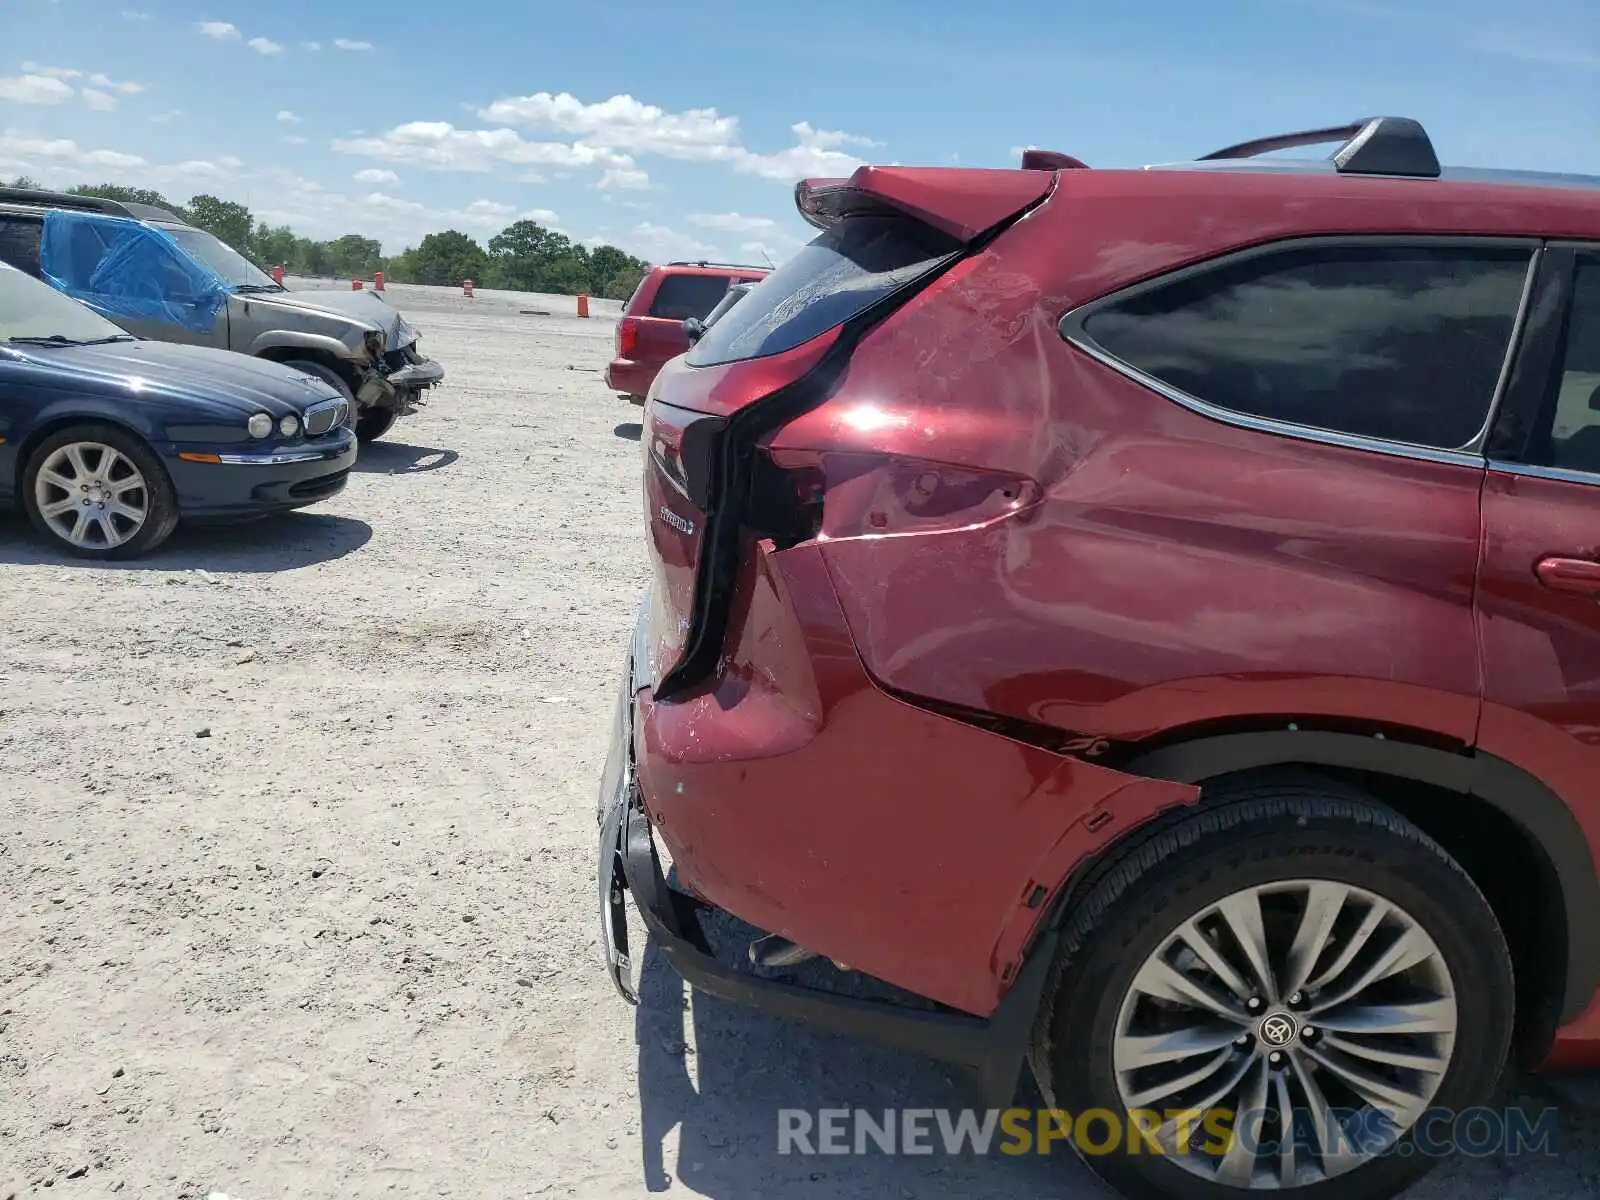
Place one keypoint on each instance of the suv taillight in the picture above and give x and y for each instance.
(627, 336)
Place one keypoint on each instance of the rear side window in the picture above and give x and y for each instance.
(682, 296)
(1569, 436)
(1403, 343)
(19, 243)
(835, 277)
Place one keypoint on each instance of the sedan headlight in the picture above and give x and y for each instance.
(260, 426)
(289, 426)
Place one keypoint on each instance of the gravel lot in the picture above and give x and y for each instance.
(297, 850)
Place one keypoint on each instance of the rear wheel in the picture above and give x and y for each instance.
(1293, 990)
(374, 423)
(98, 491)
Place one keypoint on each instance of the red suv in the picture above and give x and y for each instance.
(1151, 619)
(652, 327)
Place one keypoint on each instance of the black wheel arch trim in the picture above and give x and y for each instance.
(1541, 814)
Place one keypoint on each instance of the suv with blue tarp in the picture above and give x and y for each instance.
(158, 277)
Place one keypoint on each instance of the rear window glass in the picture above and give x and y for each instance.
(836, 276)
(682, 296)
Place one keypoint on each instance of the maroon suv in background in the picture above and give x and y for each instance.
(1153, 616)
(651, 329)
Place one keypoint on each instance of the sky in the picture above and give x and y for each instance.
(677, 130)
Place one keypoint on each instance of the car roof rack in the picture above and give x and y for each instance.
(36, 197)
(43, 199)
(1374, 146)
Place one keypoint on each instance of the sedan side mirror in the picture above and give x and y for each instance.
(694, 329)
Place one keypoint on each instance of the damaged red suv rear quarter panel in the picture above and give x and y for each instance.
(1126, 599)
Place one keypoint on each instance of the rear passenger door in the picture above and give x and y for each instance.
(1539, 596)
(680, 296)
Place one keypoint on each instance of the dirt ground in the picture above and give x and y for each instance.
(297, 850)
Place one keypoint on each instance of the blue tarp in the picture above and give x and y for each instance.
(128, 271)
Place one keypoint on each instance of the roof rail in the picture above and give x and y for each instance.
(700, 262)
(1374, 146)
(11, 195)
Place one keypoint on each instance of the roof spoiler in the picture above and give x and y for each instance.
(962, 202)
(1374, 146)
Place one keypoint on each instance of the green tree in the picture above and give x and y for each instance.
(527, 257)
(227, 220)
(22, 181)
(275, 246)
(125, 195)
(624, 283)
(605, 264)
(447, 258)
(354, 255)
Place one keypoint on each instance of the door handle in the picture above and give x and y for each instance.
(1577, 575)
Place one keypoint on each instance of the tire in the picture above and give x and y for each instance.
(1272, 841)
(374, 423)
(109, 473)
(334, 379)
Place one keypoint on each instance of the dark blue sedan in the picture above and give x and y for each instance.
(108, 441)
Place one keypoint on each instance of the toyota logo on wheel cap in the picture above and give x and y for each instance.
(1279, 1030)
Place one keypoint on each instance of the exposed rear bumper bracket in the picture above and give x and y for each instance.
(995, 1047)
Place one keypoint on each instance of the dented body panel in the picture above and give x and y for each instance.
(773, 795)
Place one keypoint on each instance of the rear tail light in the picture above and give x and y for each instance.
(627, 337)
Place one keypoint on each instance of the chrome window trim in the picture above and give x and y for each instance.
(1071, 328)
(1557, 474)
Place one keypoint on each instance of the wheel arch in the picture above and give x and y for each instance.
(54, 421)
(1508, 829)
(285, 353)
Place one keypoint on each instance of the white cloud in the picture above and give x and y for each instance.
(38, 154)
(313, 46)
(625, 178)
(732, 222)
(295, 140)
(356, 47)
(131, 15)
(287, 117)
(166, 118)
(265, 46)
(126, 88)
(32, 68)
(375, 175)
(816, 152)
(34, 89)
(230, 162)
(658, 243)
(441, 146)
(99, 101)
(222, 31)
(623, 123)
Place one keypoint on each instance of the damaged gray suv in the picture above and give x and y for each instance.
(158, 277)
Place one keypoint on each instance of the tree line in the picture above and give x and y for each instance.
(525, 256)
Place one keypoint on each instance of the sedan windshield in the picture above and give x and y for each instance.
(235, 268)
(31, 311)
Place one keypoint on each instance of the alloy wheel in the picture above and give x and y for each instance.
(92, 495)
(1322, 1017)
